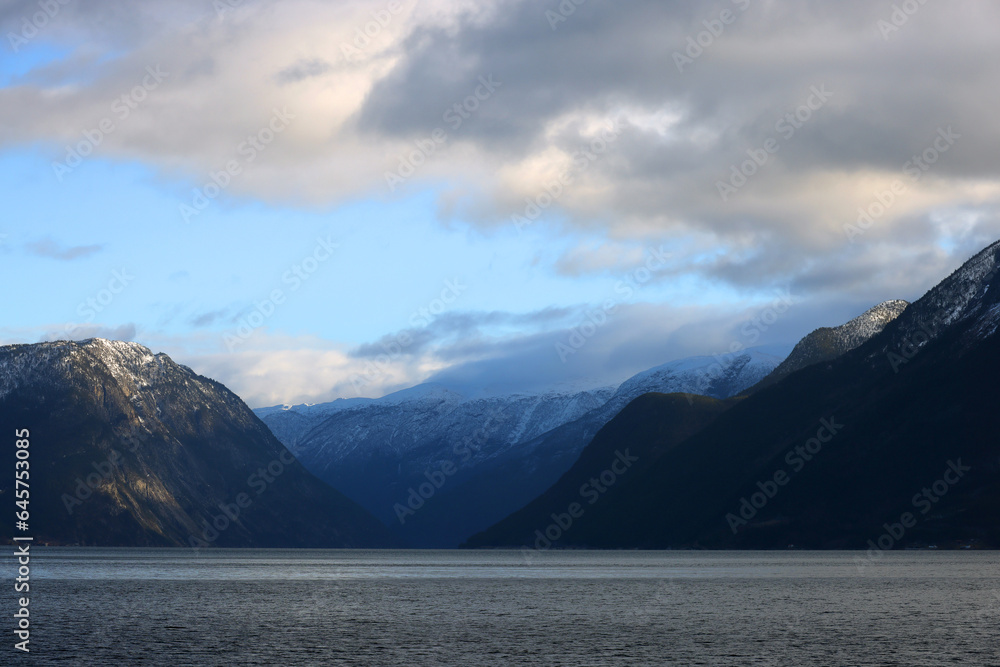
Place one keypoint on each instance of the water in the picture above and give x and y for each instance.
(400, 608)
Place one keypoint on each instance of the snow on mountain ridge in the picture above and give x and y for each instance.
(695, 373)
(376, 451)
(963, 301)
(963, 294)
(828, 343)
(129, 363)
(869, 323)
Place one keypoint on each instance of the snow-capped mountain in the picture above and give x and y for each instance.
(504, 448)
(377, 450)
(828, 343)
(514, 417)
(961, 302)
(129, 448)
(720, 376)
(916, 402)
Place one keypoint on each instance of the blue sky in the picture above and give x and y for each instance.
(495, 105)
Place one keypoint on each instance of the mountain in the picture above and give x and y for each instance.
(491, 453)
(647, 428)
(516, 416)
(654, 424)
(128, 448)
(828, 343)
(891, 444)
(380, 452)
(719, 376)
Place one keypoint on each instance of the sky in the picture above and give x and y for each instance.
(311, 200)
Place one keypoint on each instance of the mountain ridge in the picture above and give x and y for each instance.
(898, 413)
(506, 449)
(828, 343)
(132, 449)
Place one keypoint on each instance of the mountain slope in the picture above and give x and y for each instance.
(828, 343)
(893, 443)
(378, 451)
(647, 428)
(130, 448)
(503, 451)
(538, 464)
(515, 416)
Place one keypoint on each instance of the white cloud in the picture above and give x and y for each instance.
(679, 133)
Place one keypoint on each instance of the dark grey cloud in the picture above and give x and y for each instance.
(889, 96)
(605, 54)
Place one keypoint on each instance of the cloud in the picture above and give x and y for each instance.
(126, 332)
(459, 330)
(497, 350)
(50, 249)
(290, 376)
(305, 69)
(209, 318)
(275, 369)
(365, 96)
